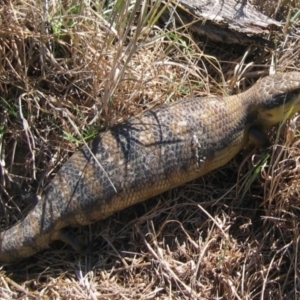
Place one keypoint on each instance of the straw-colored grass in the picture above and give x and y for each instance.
(70, 70)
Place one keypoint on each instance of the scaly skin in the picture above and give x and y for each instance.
(148, 155)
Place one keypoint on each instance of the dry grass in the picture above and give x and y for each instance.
(69, 70)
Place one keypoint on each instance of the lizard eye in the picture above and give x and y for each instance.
(269, 115)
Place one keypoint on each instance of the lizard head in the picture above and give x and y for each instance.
(278, 109)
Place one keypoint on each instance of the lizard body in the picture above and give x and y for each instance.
(147, 155)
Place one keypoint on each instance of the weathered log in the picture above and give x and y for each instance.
(226, 21)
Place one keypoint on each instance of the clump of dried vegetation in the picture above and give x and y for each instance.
(70, 69)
